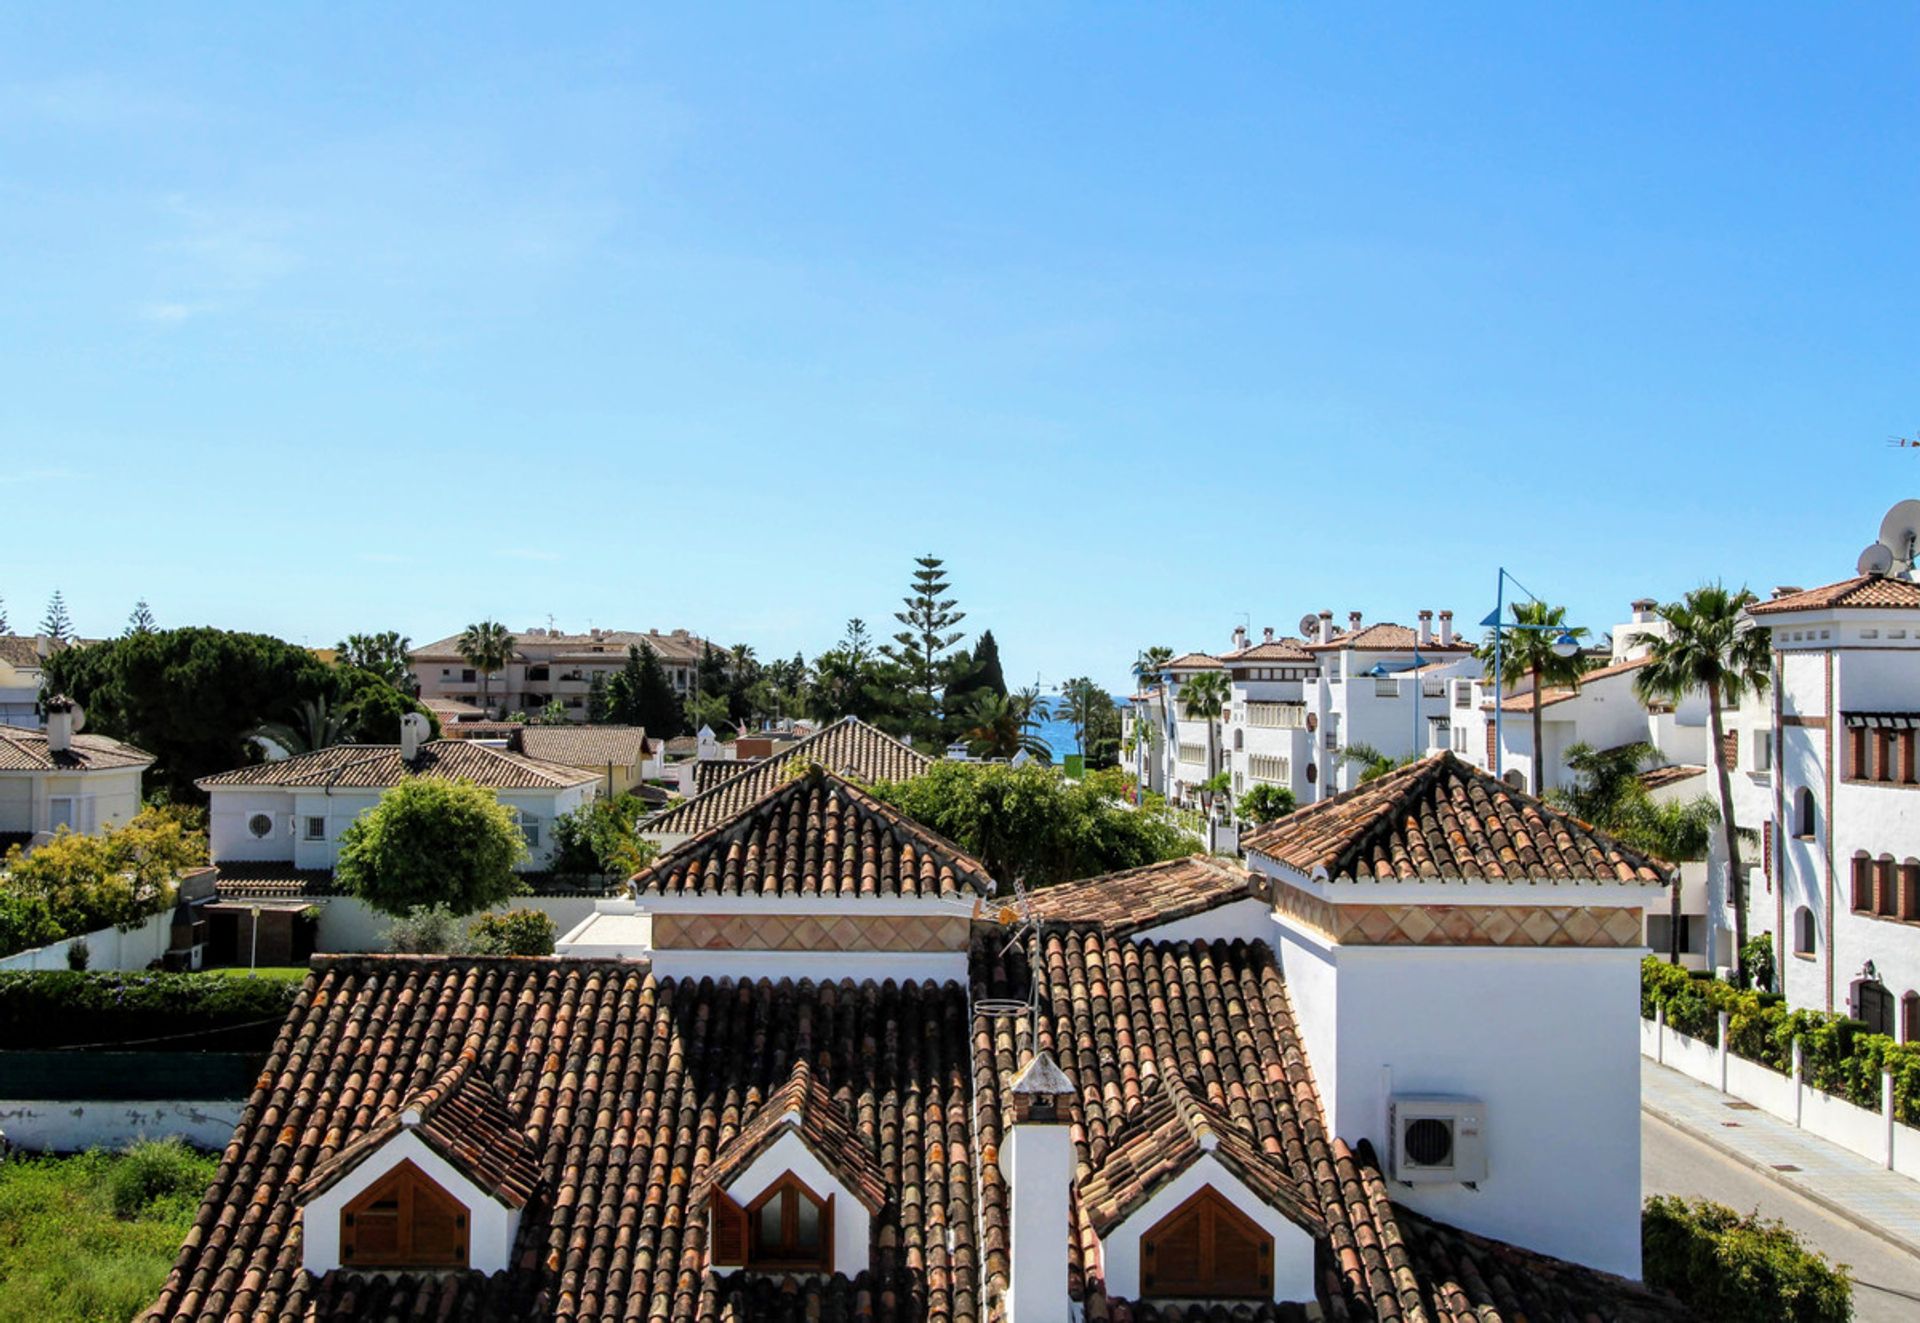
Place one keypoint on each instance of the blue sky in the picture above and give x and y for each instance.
(317, 319)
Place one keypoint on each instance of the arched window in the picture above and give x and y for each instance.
(1873, 1005)
(404, 1220)
(1803, 931)
(1206, 1249)
(789, 1227)
(1910, 1017)
(1803, 821)
(1886, 888)
(1862, 879)
(1239, 739)
(1910, 889)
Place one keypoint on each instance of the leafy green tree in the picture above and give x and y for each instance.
(1005, 727)
(522, 932)
(1203, 697)
(1035, 825)
(602, 838)
(56, 624)
(87, 881)
(486, 646)
(710, 674)
(353, 707)
(921, 645)
(427, 930)
(640, 694)
(1103, 735)
(1730, 1267)
(1712, 644)
(971, 672)
(848, 678)
(26, 922)
(1081, 704)
(188, 696)
(388, 655)
(1527, 654)
(140, 622)
(599, 704)
(5, 628)
(432, 841)
(1263, 803)
(708, 710)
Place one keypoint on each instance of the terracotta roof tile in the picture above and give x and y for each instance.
(822, 1124)
(1657, 778)
(1144, 897)
(1442, 820)
(816, 835)
(1866, 590)
(370, 765)
(710, 772)
(23, 750)
(1195, 661)
(679, 647)
(1561, 693)
(585, 746)
(1388, 637)
(849, 747)
(1280, 650)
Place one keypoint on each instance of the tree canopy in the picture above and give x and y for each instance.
(387, 654)
(432, 841)
(639, 694)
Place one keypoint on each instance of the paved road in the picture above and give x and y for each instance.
(1886, 1281)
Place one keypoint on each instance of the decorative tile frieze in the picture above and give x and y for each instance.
(810, 932)
(1463, 925)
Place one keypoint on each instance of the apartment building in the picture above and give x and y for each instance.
(548, 664)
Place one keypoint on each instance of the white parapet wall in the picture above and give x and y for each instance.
(64, 1126)
(107, 948)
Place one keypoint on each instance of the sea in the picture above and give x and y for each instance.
(1060, 735)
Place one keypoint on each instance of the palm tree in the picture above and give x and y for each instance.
(1151, 661)
(1004, 726)
(314, 726)
(1204, 698)
(1712, 644)
(487, 647)
(1528, 654)
(1373, 763)
(1080, 702)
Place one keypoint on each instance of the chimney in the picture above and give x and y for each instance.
(413, 730)
(1446, 629)
(1426, 628)
(1785, 590)
(1239, 637)
(1267, 635)
(1353, 622)
(61, 712)
(1326, 628)
(1037, 1162)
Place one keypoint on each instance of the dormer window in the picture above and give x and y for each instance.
(790, 1227)
(404, 1220)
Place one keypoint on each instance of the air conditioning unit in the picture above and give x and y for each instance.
(1437, 1139)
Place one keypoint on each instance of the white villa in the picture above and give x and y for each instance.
(59, 778)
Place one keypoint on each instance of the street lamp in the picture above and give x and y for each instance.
(1564, 645)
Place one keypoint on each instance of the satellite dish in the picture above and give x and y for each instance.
(1876, 559)
(79, 718)
(1309, 625)
(1900, 533)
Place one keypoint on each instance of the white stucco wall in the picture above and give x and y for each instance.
(1247, 919)
(73, 1126)
(1292, 1247)
(1037, 1161)
(852, 1224)
(491, 1225)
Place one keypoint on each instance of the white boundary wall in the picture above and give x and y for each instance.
(1875, 1136)
(64, 1126)
(107, 948)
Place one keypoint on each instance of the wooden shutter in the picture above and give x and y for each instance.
(404, 1220)
(1206, 1249)
(729, 1248)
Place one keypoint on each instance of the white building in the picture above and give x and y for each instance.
(58, 778)
(1385, 686)
(293, 811)
(548, 664)
(22, 675)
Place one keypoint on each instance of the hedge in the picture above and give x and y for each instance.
(186, 1012)
(1729, 1268)
(1838, 1055)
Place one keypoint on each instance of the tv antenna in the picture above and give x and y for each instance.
(1904, 442)
(1018, 916)
(1899, 545)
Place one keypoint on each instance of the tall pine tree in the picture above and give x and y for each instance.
(140, 622)
(920, 648)
(641, 695)
(57, 625)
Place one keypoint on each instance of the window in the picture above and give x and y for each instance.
(1206, 1249)
(1437, 728)
(1763, 751)
(1910, 890)
(1803, 932)
(535, 673)
(530, 828)
(60, 813)
(1386, 687)
(1463, 693)
(1886, 896)
(1277, 716)
(1803, 818)
(316, 829)
(260, 826)
(1862, 879)
(1660, 934)
(789, 1227)
(1873, 1006)
(467, 676)
(404, 1220)
(1910, 1017)
(1193, 753)
(1239, 739)
(1460, 739)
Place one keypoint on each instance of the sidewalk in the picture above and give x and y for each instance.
(1871, 1197)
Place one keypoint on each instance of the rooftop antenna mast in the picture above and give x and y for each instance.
(1025, 930)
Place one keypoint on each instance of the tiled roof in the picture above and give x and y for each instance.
(849, 748)
(23, 750)
(628, 1086)
(23, 650)
(1120, 1015)
(804, 1103)
(1866, 590)
(271, 877)
(463, 1118)
(1280, 650)
(710, 772)
(1561, 693)
(483, 730)
(1168, 1136)
(585, 746)
(380, 765)
(1145, 897)
(1660, 777)
(816, 835)
(1441, 819)
(1194, 661)
(454, 709)
(1388, 637)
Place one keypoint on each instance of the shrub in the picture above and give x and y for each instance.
(155, 1169)
(58, 1008)
(602, 837)
(1263, 803)
(1756, 961)
(431, 842)
(113, 879)
(25, 922)
(78, 954)
(514, 933)
(1733, 1269)
(427, 930)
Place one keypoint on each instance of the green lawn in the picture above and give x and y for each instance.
(278, 973)
(66, 1254)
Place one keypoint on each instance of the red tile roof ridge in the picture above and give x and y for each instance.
(1561, 693)
(824, 1127)
(1876, 591)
